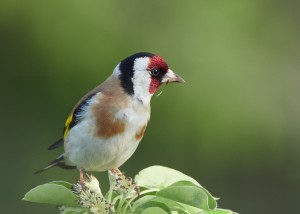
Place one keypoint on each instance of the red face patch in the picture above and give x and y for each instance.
(157, 62)
(154, 85)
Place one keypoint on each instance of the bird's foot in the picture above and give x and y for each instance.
(87, 181)
(84, 179)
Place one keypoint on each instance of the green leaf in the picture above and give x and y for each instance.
(74, 210)
(218, 211)
(151, 203)
(160, 177)
(142, 200)
(52, 194)
(62, 183)
(212, 203)
(148, 199)
(190, 209)
(152, 210)
(173, 205)
(187, 193)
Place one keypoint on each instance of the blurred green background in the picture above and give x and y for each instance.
(234, 126)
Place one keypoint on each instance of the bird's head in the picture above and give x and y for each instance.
(142, 73)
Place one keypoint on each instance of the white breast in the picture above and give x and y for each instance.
(85, 150)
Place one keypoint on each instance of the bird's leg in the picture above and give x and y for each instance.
(82, 171)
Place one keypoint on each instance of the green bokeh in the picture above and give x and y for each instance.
(234, 126)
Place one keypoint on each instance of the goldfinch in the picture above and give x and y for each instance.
(107, 124)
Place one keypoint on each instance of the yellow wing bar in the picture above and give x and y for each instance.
(73, 118)
(67, 125)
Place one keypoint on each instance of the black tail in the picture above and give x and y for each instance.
(57, 144)
(57, 162)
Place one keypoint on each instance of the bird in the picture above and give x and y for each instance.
(106, 126)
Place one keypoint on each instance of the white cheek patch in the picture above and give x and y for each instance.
(141, 64)
(141, 80)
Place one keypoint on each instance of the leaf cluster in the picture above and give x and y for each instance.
(162, 191)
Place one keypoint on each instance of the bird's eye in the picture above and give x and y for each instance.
(155, 72)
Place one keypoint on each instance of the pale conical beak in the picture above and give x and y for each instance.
(170, 76)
